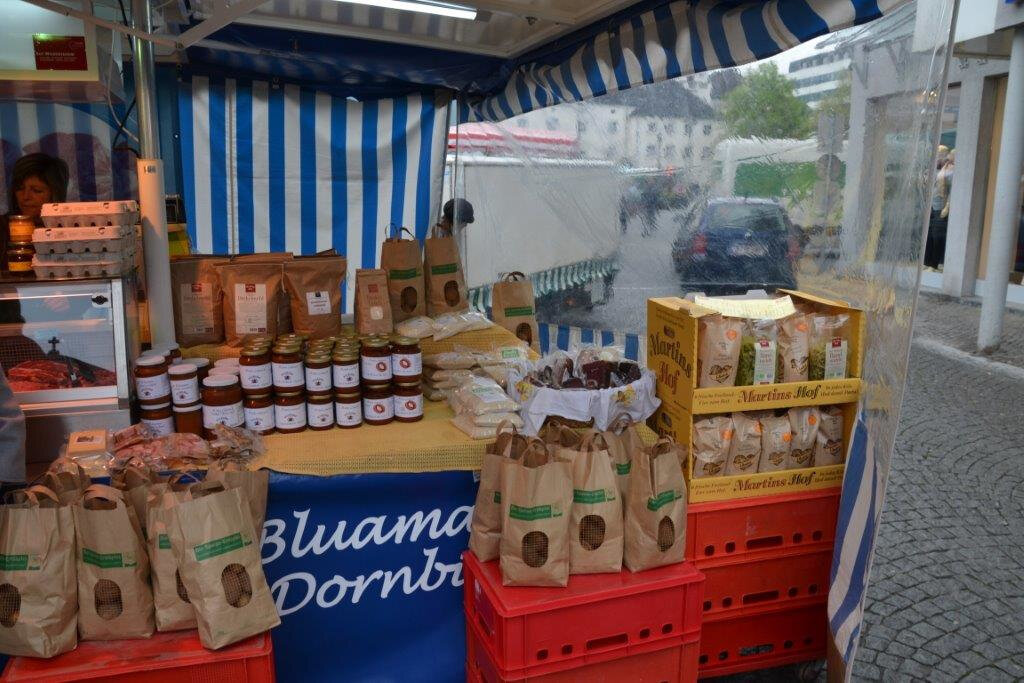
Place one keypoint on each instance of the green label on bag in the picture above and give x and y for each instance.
(108, 560)
(518, 311)
(407, 274)
(591, 497)
(444, 269)
(163, 542)
(220, 546)
(497, 497)
(534, 513)
(13, 563)
(623, 468)
(662, 499)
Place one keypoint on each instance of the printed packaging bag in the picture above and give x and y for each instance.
(373, 307)
(828, 447)
(513, 307)
(403, 261)
(173, 607)
(134, 482)
(595, 526)
(804, 423)
(196, 300)
(622, 441)
(68, 481)
(718, 354)
(655, 519)
(252, 298)
(38, 589)
(776, 443)
(219, 561)
(794, 348)
(314, 285)
(712, 442)
(114, 597)
(445, 280)
(536, 501)
(253, 484)
(485, 528)
(745, 449)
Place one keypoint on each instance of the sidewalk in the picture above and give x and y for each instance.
(942, 320)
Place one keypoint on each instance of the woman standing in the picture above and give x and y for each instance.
(35, 180)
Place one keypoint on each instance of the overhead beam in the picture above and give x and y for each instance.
(588, 16)
(223, 15)
(518, 10)
(89, 18)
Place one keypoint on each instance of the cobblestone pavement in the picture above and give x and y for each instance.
(954, 323)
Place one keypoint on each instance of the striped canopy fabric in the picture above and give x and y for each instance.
(669, 40)
(283, 168)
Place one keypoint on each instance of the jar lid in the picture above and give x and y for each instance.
(232, 371)
(158, 406)
(188, 408)
(149, 359)
(254, 350)
(348, 394)
(257, 396)
(182, 369)
(19, 217)
(376, 342)
(199, 362)
(287, 348)
(408, 385)
(348, 354)
(288, 394)
(322, 397)
(225, 363)
(219, 380)
(318, 357)
(406, 341)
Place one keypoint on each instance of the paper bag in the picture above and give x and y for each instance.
(173, 607)
(196, 300)
(622, 441)
(445, 279)
(655, 526)
(67, 483)
(114, 597)
(253, 300)
(595, 526)
(314, 286)
(38, 592)
(513, 308)
(403, 262)
(219, 561)
(536, 501)
(373, 308)
(253, 485)
(485, 528)
(562, 441)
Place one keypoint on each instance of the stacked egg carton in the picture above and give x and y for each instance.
(86, 239)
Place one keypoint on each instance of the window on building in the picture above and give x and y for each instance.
(707, 129)
(670, 127)
(689, 129)
(652, 126)
(613, 126)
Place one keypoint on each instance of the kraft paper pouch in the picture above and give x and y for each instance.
(595, 527)
(219, 562)
(562, 441)
(513, 307)
(196, 300)
(794, 348)
(536, 501)
(655, 519)
(284, 316)
(718, 354)
(68, 484)
(403, 262)
(804, 423)
(485, 528)
(252, 300)
(776, 442)
(253, 484)
(373, 308)
(38, 590)
(745, 450)
(114, 597)
(829, 347)
(173, 607)
(828, 447)
(712, 441)
(313, 285)
(622, 441)
(445, 280)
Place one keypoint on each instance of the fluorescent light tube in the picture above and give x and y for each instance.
(443, 9)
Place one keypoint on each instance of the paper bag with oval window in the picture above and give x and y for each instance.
(513, 307)
(595, 526)
(623, 441)
(655, 520)
(445, 280)
(712, 441)
(776, 442)
(536, 502)
(314, 285)
(828, 446)
(745, 450)
(403, 262)
(219, 560)
(68, 481)
(253, 484)
(804, 423)
(373, 307)
(485, 528)
(38, 594)
(114, 597)
(173, 607)
(719, 353)
(562, 440)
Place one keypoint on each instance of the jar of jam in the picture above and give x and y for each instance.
(172, 352)
(348, 409)
(21, 228)
(184, 383)
(227, 363)
(151, 383)
(229, 371)
(259, 340)
(345, 370)
(375, 362)
(378, 406)
(286, 368)
(254, 371)
(159, 418)
(202, 367)
(290, 412)
(222, 402)
(259, 413)
(320, 412)
(188, 419)
(408, 402)
(318, 374)
(406, 360)
(19, 258)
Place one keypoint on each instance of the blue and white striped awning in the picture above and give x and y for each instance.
(551, 281)
(571, 338)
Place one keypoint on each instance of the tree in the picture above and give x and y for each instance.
(764, 106)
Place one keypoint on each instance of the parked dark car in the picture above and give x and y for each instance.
(739, 244)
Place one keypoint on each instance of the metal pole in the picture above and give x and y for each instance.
(145, 82)
(1006, 206)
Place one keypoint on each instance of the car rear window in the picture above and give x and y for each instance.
(747, 216)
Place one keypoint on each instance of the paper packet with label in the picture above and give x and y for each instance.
(829, 347)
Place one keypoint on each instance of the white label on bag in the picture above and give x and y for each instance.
(196, 308)
(835, 359)
(378, 408)
(259, 419)
(230, 415)
(346, 376)
(149, 388)
(185, 391)
(255, 376)
(409, 406)
(318, 303)
(376, 368)
(318, 379)
(160, 427)
(250, 308)
(320, 414)
(288, 374)
(348, 414)
(290, 417)
(406, 364)
(764, 362)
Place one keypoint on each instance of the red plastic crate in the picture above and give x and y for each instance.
(660, 661)
(735, 528)
(595, 613)
(759, 641)
(164, 658)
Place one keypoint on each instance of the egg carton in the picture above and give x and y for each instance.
(90, 214)
(49, 271)
(127, 256)
(99, 240)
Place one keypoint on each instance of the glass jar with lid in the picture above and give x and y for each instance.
(345, 370)
(406, 360)
(290, 412)
(378, 405)
(320, 412)
(20, 228)
(203, 366)
(254, 370)
(151, 383)
(159, 418)
(184, 379)
(222, 402)
(286, 368)
(188, 419)
(408, 402)
(259, 413)
(318, 374)
(375, 362)
(19, 258)
(348, 409)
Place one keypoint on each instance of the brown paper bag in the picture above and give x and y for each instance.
(38, 592)
(253, 485)
(622, 441)
(745, 449)
(513, 307)
(173, 607)
(776, 442)
(252, 300)
(219, 562)
(561, 440)
(373, 307)
(68, 482)
(403, 262)
(314, 293)
(196, 299)
(655, 526)
(114, 597)
(485, 528)
(445, 279)
(595, 526)
(536, 501)
(284, 316)
(804, 424)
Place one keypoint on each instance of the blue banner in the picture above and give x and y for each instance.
(367, 575)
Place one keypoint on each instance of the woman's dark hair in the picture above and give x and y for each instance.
(51, 170)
